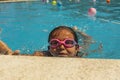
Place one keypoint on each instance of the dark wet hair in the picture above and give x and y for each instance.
(64, 27)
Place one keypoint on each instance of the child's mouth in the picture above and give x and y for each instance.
(62, 55)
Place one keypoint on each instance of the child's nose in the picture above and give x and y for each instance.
(62, 46)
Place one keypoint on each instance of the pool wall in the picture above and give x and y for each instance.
(52, 68)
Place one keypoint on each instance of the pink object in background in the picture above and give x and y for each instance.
(94, 0)
(92, 12)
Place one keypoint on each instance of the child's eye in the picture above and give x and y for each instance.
(69, 42)
(54, 43)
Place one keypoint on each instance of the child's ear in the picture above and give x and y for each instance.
(48, 47)
(78, 47)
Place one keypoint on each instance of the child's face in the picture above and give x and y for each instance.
(65, 48)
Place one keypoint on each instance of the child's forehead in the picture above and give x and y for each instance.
(61, 31)
(62, 34)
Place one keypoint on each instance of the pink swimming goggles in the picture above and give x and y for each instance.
(68, 43)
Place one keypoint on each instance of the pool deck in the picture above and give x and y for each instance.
(57, 68)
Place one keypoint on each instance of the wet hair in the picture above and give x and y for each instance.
(64, 27)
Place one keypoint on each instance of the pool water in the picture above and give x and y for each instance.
(26, 25)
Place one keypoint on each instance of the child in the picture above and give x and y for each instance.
(63, 42)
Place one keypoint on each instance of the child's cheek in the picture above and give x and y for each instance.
(52, 50)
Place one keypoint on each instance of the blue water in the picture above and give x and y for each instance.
(26, 25)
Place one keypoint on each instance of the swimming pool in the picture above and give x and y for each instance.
(26, 25)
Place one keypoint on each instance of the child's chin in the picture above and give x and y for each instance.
(62, 55)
